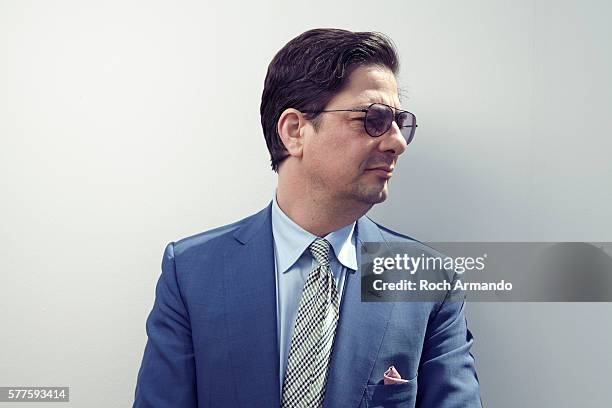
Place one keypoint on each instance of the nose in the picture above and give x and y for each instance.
(393, 141)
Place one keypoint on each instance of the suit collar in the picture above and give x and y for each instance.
(253, 225)
(368, 231)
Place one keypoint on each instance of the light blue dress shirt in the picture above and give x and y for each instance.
(294, 263)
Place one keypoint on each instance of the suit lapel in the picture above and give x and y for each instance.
(359, 334)
(250, 286)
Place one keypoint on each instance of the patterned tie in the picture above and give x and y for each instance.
(313, 335)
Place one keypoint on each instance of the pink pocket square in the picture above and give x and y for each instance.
(391, 376)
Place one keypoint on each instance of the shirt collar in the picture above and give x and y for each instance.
(291, 241)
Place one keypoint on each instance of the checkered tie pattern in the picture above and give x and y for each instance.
(313, 334)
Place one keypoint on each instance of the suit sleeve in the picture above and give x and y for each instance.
(447, 376)
(167, 374)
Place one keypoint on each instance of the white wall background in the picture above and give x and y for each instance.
(125, 125)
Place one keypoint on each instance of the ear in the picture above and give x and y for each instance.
(291, 125)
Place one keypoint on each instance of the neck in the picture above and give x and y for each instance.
(314, 211)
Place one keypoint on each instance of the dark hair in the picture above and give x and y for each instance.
(310, 69)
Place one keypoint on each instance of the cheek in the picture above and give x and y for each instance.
(343, 165)
(322, 150)
(341, 153)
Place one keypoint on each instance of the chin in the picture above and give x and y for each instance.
(372, 195)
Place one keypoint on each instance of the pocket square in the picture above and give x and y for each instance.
(391, 376)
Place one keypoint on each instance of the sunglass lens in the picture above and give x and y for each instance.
(378, 119)
(406, 121)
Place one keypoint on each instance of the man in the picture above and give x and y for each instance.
(267, 311)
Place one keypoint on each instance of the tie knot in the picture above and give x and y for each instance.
(319, 250)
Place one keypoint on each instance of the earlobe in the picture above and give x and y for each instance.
(290, 129)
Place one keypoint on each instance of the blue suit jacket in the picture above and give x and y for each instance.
(212, 335)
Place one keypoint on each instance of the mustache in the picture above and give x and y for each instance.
(380, 161)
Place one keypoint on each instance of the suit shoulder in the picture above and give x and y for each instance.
(212, 236)
(392, 235)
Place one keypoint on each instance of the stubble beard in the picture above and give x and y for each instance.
(370, 194)
(359, 192)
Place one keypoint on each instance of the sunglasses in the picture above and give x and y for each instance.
(379, 117)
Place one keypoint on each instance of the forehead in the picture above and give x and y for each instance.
(369, 84)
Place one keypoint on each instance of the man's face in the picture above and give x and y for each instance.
(341, 159)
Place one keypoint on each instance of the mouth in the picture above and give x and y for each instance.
(381, 171)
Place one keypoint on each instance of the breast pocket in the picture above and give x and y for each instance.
(392, 395)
